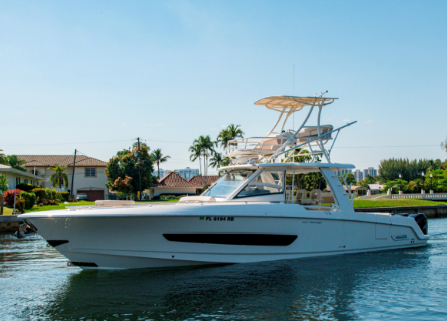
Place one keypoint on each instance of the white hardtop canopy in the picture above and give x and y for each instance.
(305, 167)
(292, 104)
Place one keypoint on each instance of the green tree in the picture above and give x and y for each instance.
(157, 156)
(218, 161)
(349, 179)
(369, 179)
(438, 181)
(15, 162)
(414, 186)
(3, 188)
(364, 183)
(3, 159)
(59, 177)
(303, 158)
(229, 133)
(309, 181)
(122, 171)
(196, 152)
(396, 185)
(390, 169)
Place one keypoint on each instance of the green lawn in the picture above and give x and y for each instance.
(61, 206)
(394, 203)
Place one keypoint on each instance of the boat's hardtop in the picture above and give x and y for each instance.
(292, 103)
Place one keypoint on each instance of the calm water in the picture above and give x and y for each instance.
(36, 284)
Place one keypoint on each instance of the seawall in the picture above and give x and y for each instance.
(9, 223)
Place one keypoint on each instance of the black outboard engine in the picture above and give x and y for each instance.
(421, 220)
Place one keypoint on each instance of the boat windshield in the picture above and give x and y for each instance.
(228, 183)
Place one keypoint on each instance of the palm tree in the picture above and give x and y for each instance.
(3, 188)
(235, 131)
(158, 157)
(206, 147)
(203, 146)
(59, 177)
(218, 161)
(229, 133)
(223, 138)
(196, 153)
(15, 162)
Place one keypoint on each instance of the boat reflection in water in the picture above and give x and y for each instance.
(343, 288)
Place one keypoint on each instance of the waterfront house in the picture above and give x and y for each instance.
(89, 175)
(15, 176)
(173, 184)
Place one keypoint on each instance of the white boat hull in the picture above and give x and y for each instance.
(188, 235)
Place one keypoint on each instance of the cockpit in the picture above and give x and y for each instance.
(281, 183)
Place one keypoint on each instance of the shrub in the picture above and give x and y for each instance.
(72, 200)
(54, 194)
(9, 196)
(65, 196)
(29, 198)
(46, 201)
(171, 197)
(25, 187)
(40, 193)
(20, 205)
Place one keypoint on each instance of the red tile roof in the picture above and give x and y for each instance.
(62, 160)
(172, 179)
(200, 180)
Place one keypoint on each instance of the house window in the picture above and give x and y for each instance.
(90, 172)
(17, 180)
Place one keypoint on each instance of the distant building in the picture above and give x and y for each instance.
(163, 172)
(370, 171)
(187, 173)
(341, 172)
(358, 174)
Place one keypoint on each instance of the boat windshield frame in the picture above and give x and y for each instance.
(224, 182)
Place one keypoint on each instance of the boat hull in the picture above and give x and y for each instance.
(163, 240)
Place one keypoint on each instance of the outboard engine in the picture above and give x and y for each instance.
(421, 220)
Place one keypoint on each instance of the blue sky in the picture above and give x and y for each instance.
(94, 75)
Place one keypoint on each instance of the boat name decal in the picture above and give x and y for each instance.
(399, 237)
(217, 218)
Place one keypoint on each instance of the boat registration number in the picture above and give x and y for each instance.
(217, 218)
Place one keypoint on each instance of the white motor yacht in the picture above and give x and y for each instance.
(271, 203)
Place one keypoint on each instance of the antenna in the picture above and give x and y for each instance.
(293, 94)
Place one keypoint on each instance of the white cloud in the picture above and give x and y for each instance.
(369, 122)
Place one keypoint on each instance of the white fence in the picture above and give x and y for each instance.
(433, 196)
